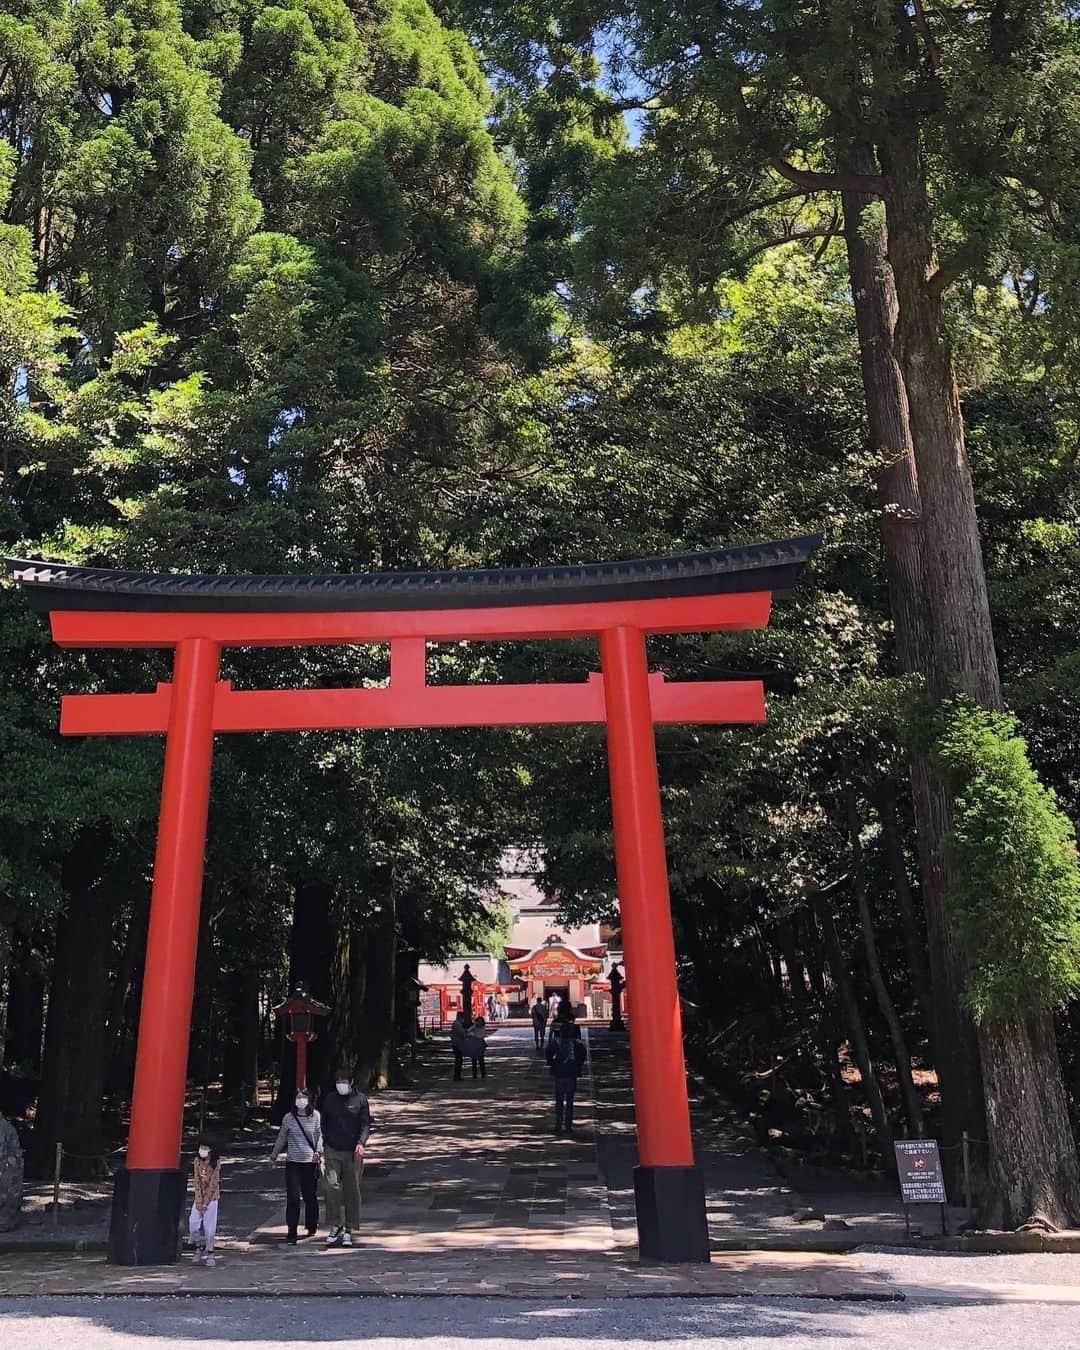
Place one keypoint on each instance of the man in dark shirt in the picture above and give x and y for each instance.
(566, 1055)
(346, 1124)
(539, 1021)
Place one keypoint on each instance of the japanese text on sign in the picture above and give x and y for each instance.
(918, 1165)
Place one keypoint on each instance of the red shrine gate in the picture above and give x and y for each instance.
(617, 603)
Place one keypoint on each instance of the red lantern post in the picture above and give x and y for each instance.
(300, 1013)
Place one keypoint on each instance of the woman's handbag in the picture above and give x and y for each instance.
(316, 1156)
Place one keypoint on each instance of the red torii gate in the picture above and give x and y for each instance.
(617, 603)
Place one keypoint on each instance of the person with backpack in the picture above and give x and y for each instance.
(566, 1056)
(539, 1014)
(346, 1123)
(300, 1137)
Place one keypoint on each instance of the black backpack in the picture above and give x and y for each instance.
(567, 1052)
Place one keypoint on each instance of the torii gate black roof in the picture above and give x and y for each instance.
(773, 566)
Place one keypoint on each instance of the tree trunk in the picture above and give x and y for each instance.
(849, 1005)
(873, 294)
(695, 947)
(73, 1066)
(373, 1033)
(1020, 1058)
(908, 1092)
(25, 1007)
(348, 978)
(131, 958)
(784, 932)
(829, 1038)
(251, 986)
(910, 922)
(1029, 1127)
(958, 606)
(240, 1062)
(11, 1176)
(903, 531)
(202, 1036)
(311, 939)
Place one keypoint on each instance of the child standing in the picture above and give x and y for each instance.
(204, 1211)
(476, 1047)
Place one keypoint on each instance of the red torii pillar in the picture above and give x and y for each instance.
(157, 1103)
(669, 1189)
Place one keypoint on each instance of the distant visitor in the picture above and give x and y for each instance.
(566, 1056)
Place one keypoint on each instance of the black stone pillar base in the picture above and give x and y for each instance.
(145, 1226)
(671, 1221)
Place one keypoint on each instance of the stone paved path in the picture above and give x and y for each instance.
(474, 1164)
(466, 1191)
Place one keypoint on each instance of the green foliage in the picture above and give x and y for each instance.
(253, 261)
(1015, 897)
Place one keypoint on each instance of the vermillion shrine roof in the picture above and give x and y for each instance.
(773, 566)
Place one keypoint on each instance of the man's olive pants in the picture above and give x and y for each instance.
(342, 1185)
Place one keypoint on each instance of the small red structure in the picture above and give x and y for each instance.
(300, 1012)
(618, 604)
(444, 1000)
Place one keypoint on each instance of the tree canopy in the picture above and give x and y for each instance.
(311, 286)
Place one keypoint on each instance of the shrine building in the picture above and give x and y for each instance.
(543, 957)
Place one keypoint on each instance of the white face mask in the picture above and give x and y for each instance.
(204, 1153)
(344, 1088)
(301, 1103)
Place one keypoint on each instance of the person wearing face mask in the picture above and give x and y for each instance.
(301, 1138)
(346, 1126)
(202, 1221)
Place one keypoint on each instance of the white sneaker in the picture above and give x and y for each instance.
(197, 1257)
(335, 1236)
(346, 1239)
(210, 1260)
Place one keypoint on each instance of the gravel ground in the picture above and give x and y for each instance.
(482, 1324)
(945, 1275)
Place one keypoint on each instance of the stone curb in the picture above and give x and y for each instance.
(1001, 1244)
(537, 1297)
(986, 1243)
(72, 1245)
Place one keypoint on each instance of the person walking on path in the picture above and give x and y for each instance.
(476, 1047)
(202, 1221)
(300, 1137)
(566, 1056)
(346, 1125)
(539, 1020)
(459, 1031)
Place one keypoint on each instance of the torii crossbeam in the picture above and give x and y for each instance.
(618, 604)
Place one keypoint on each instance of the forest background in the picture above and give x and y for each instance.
(329, 286)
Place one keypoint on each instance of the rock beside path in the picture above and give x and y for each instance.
(11, 1176)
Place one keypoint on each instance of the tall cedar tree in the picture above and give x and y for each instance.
(963, 124)
(255, 269)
